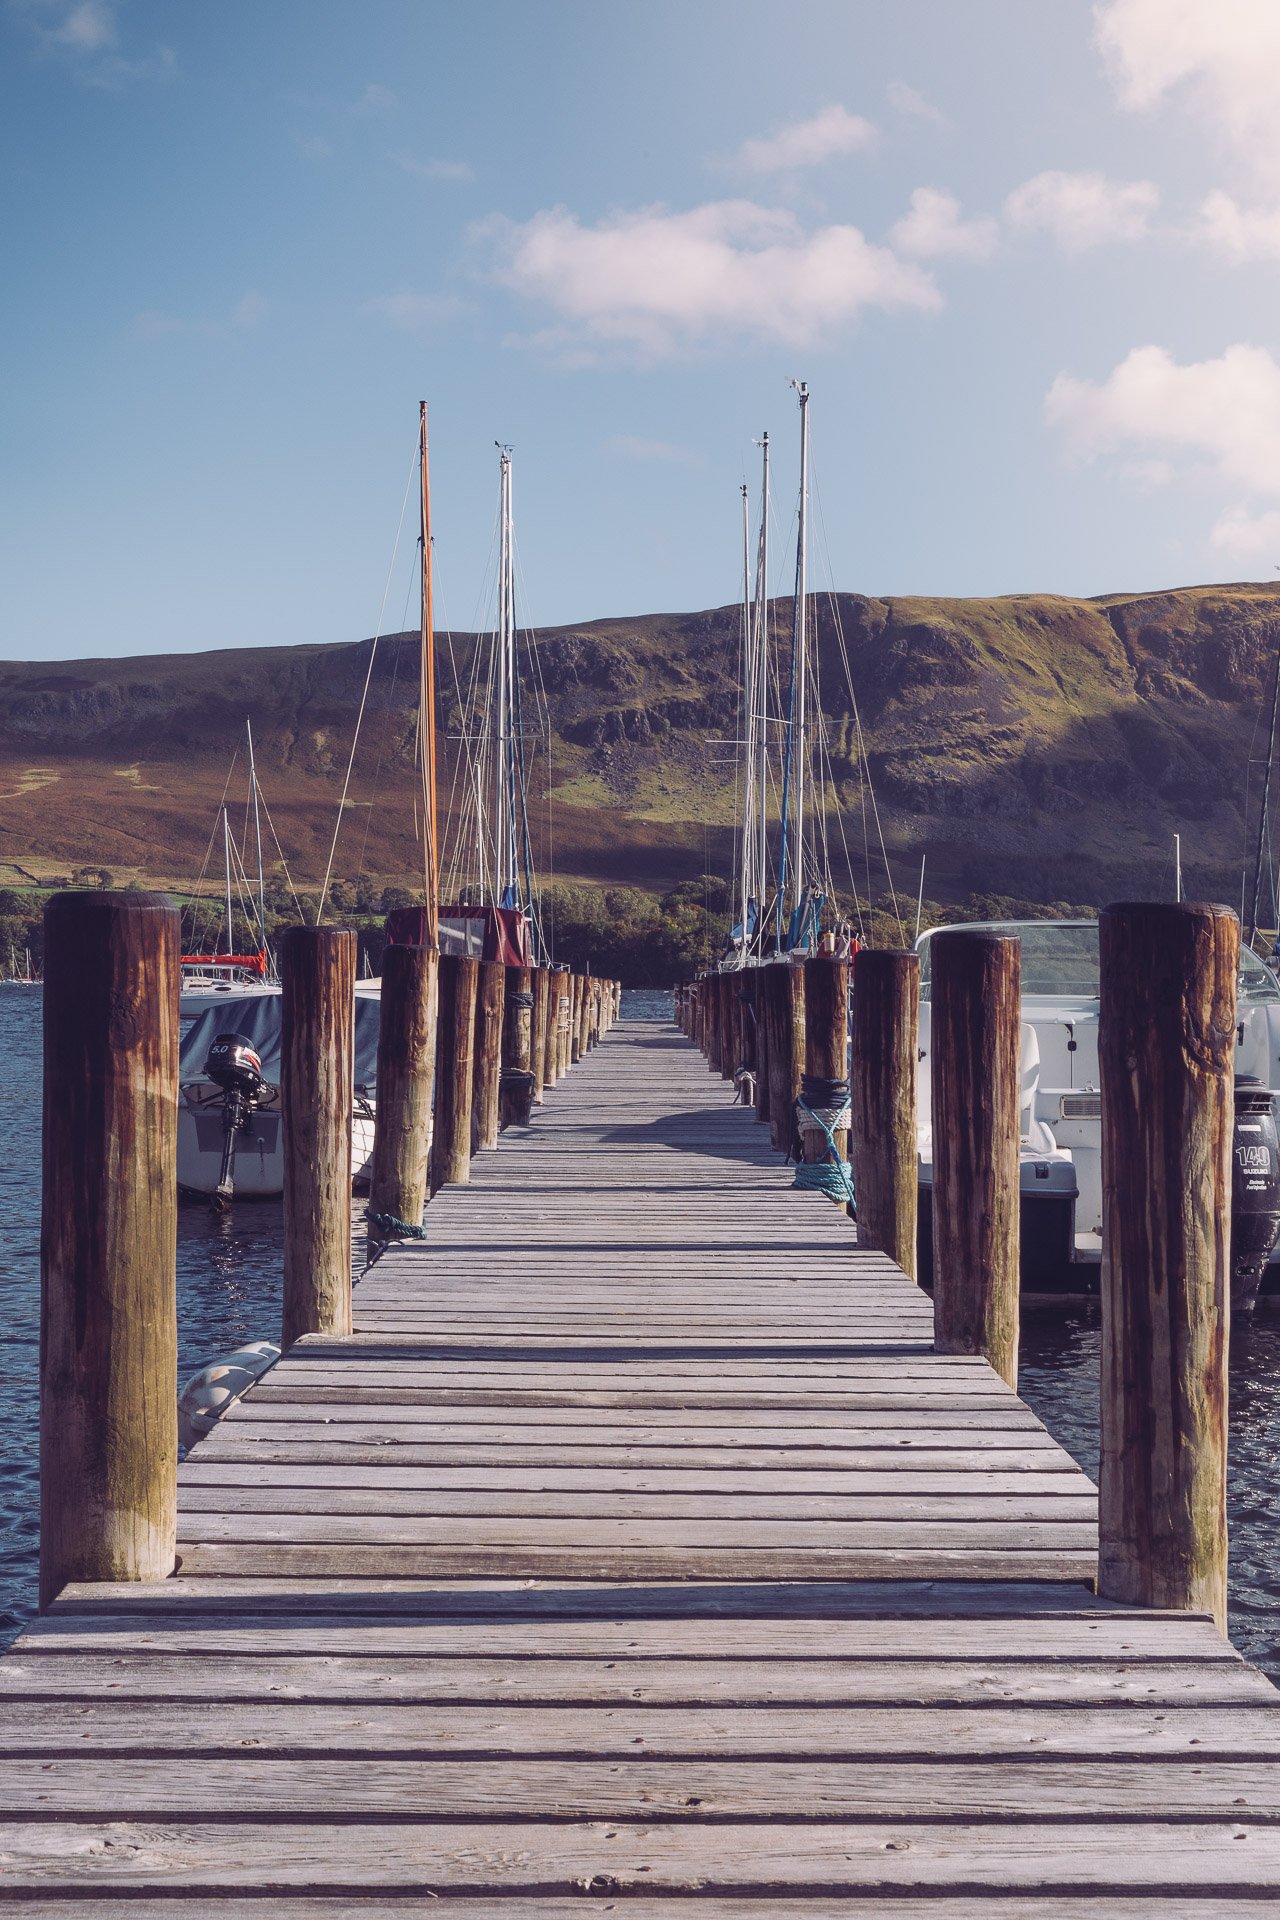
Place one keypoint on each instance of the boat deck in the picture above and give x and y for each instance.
(637, 1555)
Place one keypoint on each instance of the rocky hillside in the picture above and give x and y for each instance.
(1030, 745)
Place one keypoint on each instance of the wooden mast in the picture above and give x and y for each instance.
(427, 707)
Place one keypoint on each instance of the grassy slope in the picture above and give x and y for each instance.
(1031, 744)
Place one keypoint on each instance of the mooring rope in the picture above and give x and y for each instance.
(388, 1226)
(829, 1175)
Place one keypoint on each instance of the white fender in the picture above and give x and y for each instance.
(216, 1388)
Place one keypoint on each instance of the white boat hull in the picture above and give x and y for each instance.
(259, 1168)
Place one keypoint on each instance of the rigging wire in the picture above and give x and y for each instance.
(364, 693)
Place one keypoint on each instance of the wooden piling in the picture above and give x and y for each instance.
(516, 1099)
(538, 1031)
(564, 1025)
(826, 1045)
(886, 1038)
(455, 1057)
(1166, 1048)
(317, 982)
(487, 1063)
(784, 1012)
(730, 985)
(108, 1351)
(582, 1040)
(760, 1006)
(973, 1047)
(398, 1177)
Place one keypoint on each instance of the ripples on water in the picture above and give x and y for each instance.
(229, 1292)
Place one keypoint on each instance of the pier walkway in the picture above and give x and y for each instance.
(637, 1555)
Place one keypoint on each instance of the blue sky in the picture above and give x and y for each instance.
(1025, 255)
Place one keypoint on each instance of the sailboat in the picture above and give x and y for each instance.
(229, 1132)
(225, 972)
(494, 915)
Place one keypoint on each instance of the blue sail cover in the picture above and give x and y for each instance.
(257, 1017)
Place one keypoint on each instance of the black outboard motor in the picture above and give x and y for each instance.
(1255, 1191)
(232, 1064)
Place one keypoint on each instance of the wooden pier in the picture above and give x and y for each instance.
(636, 1554)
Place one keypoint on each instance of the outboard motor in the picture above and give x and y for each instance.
(233, 1065)
(1255, 1191)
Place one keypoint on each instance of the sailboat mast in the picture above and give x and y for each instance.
(762, 679)
(505, 884)
(427, 701)
(226, 855)
(257, 834)
(747, 848)
(800, 641)
(1264, 811)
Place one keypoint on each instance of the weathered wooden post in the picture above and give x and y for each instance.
(760, 1005)
(784, 1010)
(974, 1028)
(108, 1240)
(824, 1090)
(564, 1025)
(398, 1176)
(487, 1064)
(455, 1057)
(538, 1031)
(317, 1014)
(730, 1024)
(882, 1092)
(582, 1035)
(517, 1049)
(1166, 1049)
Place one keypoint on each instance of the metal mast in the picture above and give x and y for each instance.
(506, 883)
(747, 848)
(800, 641)
(1264, 810)
(762, 673)
(226, 855)
(257, 834)
(427, 701)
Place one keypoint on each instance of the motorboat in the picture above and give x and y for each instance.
(1060, 1151)
(229, 1120)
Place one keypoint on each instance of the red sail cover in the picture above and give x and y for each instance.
(247, 962)
(486, 933)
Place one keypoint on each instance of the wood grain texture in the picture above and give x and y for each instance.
(317, 988)
(1166, 1051)
(976, 1008)
(399, 1176)
(885, 1035)
(541, 984)
(637, 1548)
(455, 1070)
(491, 987)
(108, 1302)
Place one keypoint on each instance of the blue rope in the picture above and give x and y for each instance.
(830, 1175)
(388, 1226)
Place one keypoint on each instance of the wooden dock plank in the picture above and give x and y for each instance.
(636, 1551)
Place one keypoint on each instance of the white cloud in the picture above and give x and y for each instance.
(1082, 210)
(654, 281)
(905, 99)
(666, 451)
(934, 226)
(806, 143)
(1222, 416)
(1223, 56)
(247, 312)
(84, 34)
(1249, 534)
(455, 171)
(373, 99)
(1238, 233)
(414, 312)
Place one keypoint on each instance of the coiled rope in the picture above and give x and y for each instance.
(389, 1226)
(830, 1175)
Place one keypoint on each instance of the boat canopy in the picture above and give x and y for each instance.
(257, 1017)
(483, 933)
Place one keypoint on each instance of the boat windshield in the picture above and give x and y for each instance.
(1060, 958)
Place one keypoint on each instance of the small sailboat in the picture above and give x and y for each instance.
(223, 973)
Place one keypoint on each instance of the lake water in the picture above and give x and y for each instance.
(229, 1292)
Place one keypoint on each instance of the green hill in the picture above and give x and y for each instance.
(1030, 745)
